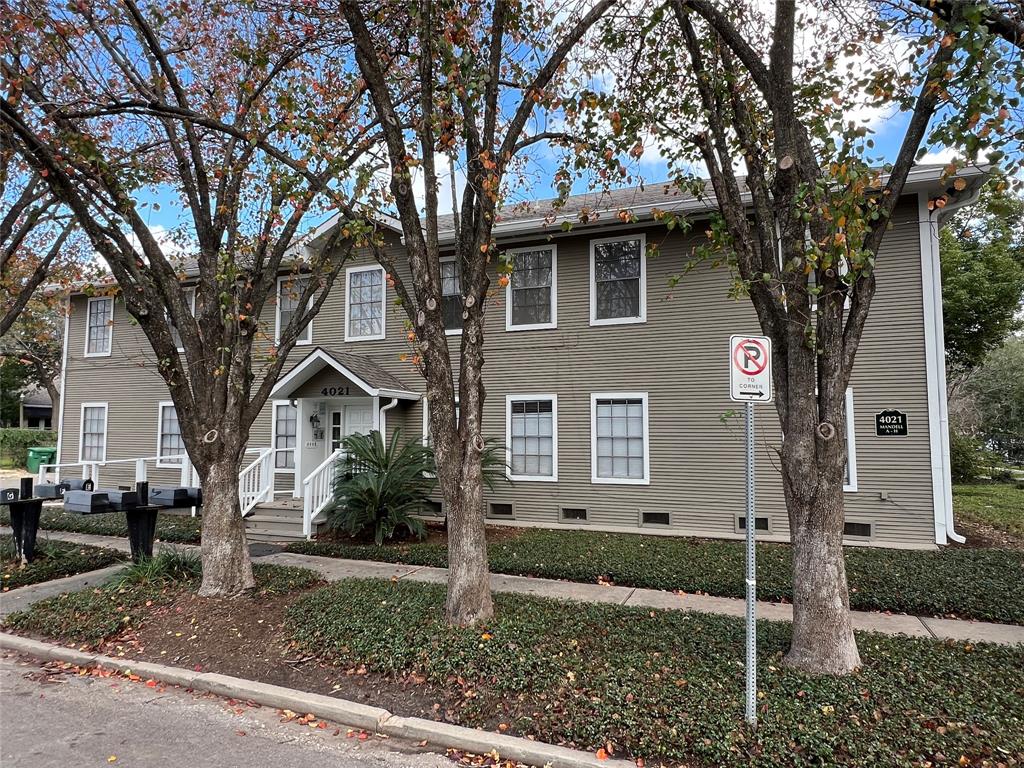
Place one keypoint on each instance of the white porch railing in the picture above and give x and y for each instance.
(317, 490)
(91, 469)
(256, 481)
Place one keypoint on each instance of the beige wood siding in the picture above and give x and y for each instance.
(678, 356)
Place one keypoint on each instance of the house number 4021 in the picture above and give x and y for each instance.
(334, 391)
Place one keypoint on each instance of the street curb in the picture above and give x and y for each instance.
(351, 713)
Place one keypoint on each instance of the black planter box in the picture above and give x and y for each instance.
(141, 530)
(86, 502)
(122, 500)
(170, 497)
(52, 490)
(25, 526)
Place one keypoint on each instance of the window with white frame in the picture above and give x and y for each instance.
(531, 294)
(532, 437)
(619, 438)
(286, 430)
(99, 326)
(364, 303)
(451, 294)
(618, 280)
(94, 432)
(850, 481)
(169, 441)
(289, 289)
(190, 302)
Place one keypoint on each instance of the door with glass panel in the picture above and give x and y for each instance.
(349, 420)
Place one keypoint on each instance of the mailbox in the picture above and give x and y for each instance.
(122, 500)
(170, 497)
(52, 490)
(7, 495)
(86, 502)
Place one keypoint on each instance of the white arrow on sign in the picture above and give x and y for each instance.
(750, 369)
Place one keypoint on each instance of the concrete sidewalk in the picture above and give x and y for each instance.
(335, 569)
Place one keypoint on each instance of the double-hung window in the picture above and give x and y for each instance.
(289, 289)
(93, 446)
(850, 481)
(286, 424)
(99, 326)
(364, 303)
(531, 434)
(190, 302)
(170, 444)
(451, 295)
(618, 280)
(619, 438)
(531, 298)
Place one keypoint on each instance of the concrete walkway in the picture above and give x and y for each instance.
(335, 569)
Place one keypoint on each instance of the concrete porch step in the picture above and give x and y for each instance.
(256, 533)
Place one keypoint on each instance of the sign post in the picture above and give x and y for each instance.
(750, 381)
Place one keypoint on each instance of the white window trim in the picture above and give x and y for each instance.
(110, 326)
(383, 301)
(851, 444)
(553, 477)
(451, 331)
(160, 434)
(81, 429)
(643, 282)
(192, 308)
(554, 291)
(273, 437)
(646, 479)
(277, 313)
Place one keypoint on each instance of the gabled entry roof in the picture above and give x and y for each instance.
(360, 370)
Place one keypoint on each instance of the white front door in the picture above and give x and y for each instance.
(349, 420)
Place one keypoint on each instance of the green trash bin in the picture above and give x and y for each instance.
(38, 456)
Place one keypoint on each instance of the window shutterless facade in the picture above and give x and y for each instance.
(451, 295)
(618, 280)
(285, 429)
(531, 295)
(531, 437)
(619, 438)
(169, 440)
(364, 303)
(99, 331)
(288, 291)
(850, 482)
(93, 443)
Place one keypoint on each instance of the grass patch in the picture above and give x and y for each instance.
(91, 616)
(969, 583)
(53, 560)
(1000, 505)
(178, 529)
(669, 685)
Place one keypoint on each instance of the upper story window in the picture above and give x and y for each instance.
(99, 329)
(364, 303)
(531, 296)
(619, 438)
(532, 437)
(286, 423)
(190, 302)
(618, 280)
(451, 294)
(170, 444)
(289, 289)
(93, 445)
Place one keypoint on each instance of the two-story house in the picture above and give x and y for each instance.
(607, 382)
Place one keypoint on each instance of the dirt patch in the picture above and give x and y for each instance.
(245, 637)
(981, 535)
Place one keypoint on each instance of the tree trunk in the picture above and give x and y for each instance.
(823, 641)
(469, 584)
(226, 567)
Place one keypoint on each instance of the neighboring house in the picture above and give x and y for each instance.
(36, 410)
(607, 383)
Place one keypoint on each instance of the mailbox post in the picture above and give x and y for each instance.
(141, 520)
(25, 511)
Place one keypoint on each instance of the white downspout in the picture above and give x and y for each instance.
(934, 271)
(384, 419)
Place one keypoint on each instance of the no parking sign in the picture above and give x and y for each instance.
(750, 369)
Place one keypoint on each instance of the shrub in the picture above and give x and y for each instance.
(380, 487)
(167, 567)
(14, 443)
(964, 457)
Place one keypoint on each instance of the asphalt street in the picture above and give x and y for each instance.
(57, 719)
